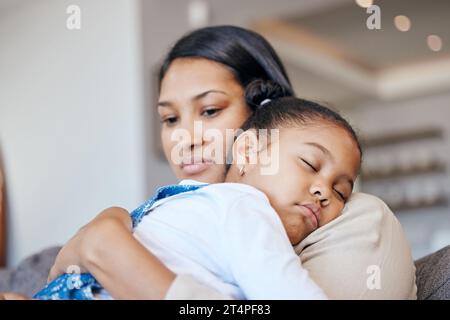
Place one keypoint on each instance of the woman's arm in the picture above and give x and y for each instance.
(127, 270)
(106, 248)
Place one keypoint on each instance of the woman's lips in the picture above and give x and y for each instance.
(195, 167)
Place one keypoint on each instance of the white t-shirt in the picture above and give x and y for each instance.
(227, 236)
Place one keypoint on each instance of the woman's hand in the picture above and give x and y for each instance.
(77, 253)
(13, 296)
(107, 249)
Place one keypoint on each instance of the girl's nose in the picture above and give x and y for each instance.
(321, 193)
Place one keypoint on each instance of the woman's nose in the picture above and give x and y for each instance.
(194, 136)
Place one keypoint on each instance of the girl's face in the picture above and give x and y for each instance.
(199, 100)
(315, 168)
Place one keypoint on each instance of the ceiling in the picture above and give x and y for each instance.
(332, 54)
(333, 57)
(345, 27)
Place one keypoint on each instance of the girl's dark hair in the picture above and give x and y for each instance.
(247, 54)
(277, 108)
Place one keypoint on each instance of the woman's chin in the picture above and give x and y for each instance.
(209, 174)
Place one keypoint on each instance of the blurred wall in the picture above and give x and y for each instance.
(71, 117)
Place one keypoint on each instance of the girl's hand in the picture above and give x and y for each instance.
(74, 256)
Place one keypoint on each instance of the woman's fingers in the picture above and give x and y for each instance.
(72, 256)
(60, 268)
(64, 260)
(54, 273)
(13, 296)
(55, 270)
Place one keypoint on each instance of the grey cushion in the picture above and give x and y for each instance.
(5, 280)
(31, 274)
(433, 276)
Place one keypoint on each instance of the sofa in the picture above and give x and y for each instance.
(432, 274)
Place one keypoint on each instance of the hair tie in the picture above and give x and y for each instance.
(265, 102)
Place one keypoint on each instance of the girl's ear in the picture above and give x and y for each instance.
(246, 148)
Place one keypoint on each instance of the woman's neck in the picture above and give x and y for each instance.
(232, 175)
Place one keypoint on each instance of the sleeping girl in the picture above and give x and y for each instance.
(238, 236)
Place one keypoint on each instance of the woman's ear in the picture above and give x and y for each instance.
(246, 148)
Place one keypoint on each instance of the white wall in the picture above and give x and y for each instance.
(71, 117)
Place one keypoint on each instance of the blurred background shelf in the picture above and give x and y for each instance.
(403, 137)
(441, 202)
(432, 168)
(407, 169)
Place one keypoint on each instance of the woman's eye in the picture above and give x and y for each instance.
(310, 165)
(169, 120)
(210, 112)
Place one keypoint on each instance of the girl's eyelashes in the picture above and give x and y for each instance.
(309, 165)
(340, 195)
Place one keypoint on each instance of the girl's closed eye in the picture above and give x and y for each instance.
(340, 195)
(310, 165)
(315, 167)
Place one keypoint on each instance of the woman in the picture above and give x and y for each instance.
(203, 79)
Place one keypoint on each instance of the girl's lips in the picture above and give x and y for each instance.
(307, 212)
(195, 168)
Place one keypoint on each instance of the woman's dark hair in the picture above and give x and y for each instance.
(276, 108)
(247, 54)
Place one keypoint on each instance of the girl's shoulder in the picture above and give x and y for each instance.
(232, 192)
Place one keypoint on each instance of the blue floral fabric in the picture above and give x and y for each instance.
(73, 286)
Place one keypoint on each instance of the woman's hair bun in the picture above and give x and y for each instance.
(258, 92)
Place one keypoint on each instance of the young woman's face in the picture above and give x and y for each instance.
(313, 170)
(199, 100)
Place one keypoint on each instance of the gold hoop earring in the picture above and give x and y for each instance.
(241, 171)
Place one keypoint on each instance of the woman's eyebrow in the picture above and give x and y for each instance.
(196, 97)
(164, 104)
(204, 94)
